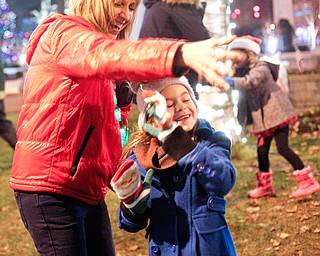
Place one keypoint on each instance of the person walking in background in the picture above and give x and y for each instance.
(186, 168)
(179, 19)
(285, 36)
(286, 43)
(271, 112)
(7, 130)
(69, 142)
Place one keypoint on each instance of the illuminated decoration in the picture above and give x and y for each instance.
(306, 16)
(256, 11)
(235, 14)
(12, 42)
(220, 109)
(216, 17)
(46, 9)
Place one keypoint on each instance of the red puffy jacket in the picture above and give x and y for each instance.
(68, 137)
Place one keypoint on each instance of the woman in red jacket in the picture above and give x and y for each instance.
(68, 134)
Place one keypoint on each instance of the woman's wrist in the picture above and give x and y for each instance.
(179, 65)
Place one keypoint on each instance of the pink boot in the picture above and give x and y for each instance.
(264, 186)
(307, 182)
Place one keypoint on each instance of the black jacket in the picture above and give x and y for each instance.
(178, 21)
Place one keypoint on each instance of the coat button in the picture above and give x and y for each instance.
(211, 202)
(155, 249)
(200, 167)
(175, 179)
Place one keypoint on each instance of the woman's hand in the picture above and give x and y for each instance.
(204, 56)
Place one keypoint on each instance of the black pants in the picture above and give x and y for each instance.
(64, 226)
(7, 130)
(281, 138)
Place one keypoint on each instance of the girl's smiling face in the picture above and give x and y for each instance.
(181, 106)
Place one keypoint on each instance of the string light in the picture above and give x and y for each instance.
(12, 41)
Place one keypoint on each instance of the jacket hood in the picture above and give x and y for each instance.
(274, 70)
(43, 27)
(273, 66)
(36, 35)
(149, 3)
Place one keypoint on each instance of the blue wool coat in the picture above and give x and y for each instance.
(186, 204)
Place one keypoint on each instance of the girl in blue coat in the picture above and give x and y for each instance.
(176, 175)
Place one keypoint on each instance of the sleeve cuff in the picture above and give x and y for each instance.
(131, 216)
(230, 81)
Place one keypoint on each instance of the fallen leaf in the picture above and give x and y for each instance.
(278, 208)
(253, 202)
(304, 217)
(313, 149)
(303, 144)
(304, 229)
(253, 209)
(291, 210)
(133, 248)
(283, 235)
(263, 225)
(275, 243)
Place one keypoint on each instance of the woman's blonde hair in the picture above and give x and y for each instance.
(100, 14)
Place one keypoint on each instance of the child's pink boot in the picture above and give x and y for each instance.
(264, 186)
(307, 182)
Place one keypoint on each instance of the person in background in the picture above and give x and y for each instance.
(271, 112)
(69, 141)
(285, 36)
(179, 19)
(176, 172)
(7, 130)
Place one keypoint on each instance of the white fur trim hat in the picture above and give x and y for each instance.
(246, 44)
(159, 85)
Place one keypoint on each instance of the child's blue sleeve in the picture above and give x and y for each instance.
(211, 164)
(130, 222)
(229, 80)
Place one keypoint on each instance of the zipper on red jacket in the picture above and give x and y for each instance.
(82, 148)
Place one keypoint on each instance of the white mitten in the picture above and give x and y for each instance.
(162, 124)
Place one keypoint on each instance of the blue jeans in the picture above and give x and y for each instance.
(64, 226)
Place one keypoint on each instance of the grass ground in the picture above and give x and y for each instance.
(277, 226)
